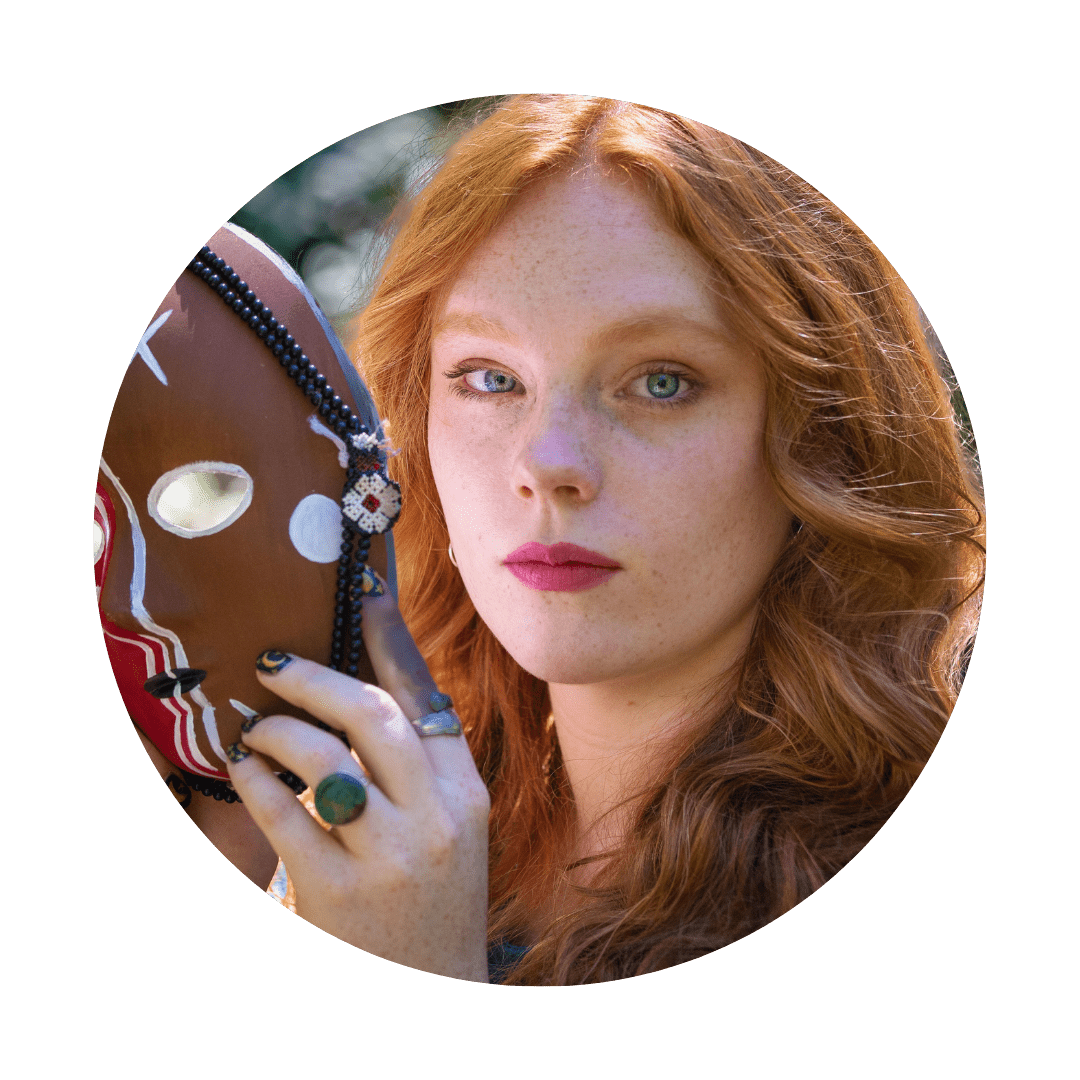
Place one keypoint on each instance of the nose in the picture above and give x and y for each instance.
(165, 684)
(558, 458)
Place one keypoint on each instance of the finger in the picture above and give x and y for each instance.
(292, 832)
(312, 754)
(399, 667)
(369, 716)
(403, 672)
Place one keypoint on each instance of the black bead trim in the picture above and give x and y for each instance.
(181, 790)
(346, 641)
(293, 781)
(223, 791)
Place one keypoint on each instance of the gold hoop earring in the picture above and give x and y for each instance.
(450, 552)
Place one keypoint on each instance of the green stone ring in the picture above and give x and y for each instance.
(340, 798)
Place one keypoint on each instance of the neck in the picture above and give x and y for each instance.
(617, 736)
(610, 738)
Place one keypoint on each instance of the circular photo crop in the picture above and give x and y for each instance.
(539, 539)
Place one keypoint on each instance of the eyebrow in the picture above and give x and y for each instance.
(644, 325)
(617, 333)
(480, 325)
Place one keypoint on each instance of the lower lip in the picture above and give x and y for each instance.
(570, 577)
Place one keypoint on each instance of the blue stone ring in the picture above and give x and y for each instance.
(440, 721)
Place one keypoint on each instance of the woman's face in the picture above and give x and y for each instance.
(584, 392)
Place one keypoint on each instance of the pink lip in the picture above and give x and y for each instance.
(560, 567)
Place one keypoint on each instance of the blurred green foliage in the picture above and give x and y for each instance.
(327, 215)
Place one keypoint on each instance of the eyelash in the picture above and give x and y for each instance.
(461, 390)
(692, 387)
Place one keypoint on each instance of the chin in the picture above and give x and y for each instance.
(566, 665)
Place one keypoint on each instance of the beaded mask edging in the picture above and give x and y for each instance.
(370, 501)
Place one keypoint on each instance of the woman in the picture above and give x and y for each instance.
(690, 537)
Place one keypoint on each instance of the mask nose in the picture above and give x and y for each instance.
(166, 684)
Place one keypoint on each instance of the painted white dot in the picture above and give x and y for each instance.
(315, 528)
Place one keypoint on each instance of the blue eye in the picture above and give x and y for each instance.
(662, 384)
(490, 381)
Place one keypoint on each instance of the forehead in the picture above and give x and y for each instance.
(584, 239)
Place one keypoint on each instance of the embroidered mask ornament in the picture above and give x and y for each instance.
(242, 492)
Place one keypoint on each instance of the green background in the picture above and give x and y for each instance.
(132, 947)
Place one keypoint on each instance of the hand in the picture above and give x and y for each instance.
(407, 880)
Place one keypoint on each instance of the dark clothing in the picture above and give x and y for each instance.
(503, 957)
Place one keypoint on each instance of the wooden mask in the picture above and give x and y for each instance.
(219, 507)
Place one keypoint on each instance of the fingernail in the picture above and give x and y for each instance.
(272, 661)
(237, 752)
(249, 723)
(439, 701)
(371, 583)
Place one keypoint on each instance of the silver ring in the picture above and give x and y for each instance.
(437, 723)
(440, 721)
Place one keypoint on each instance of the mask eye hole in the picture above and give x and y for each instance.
(201, 498)
(99, 542)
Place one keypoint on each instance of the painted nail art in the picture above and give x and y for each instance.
(237, 752)
(272, 661)
(371, 583)
(249, 723)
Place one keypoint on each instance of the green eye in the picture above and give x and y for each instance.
(662, 384)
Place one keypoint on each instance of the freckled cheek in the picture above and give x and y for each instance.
(470, 475)
(712, 517)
